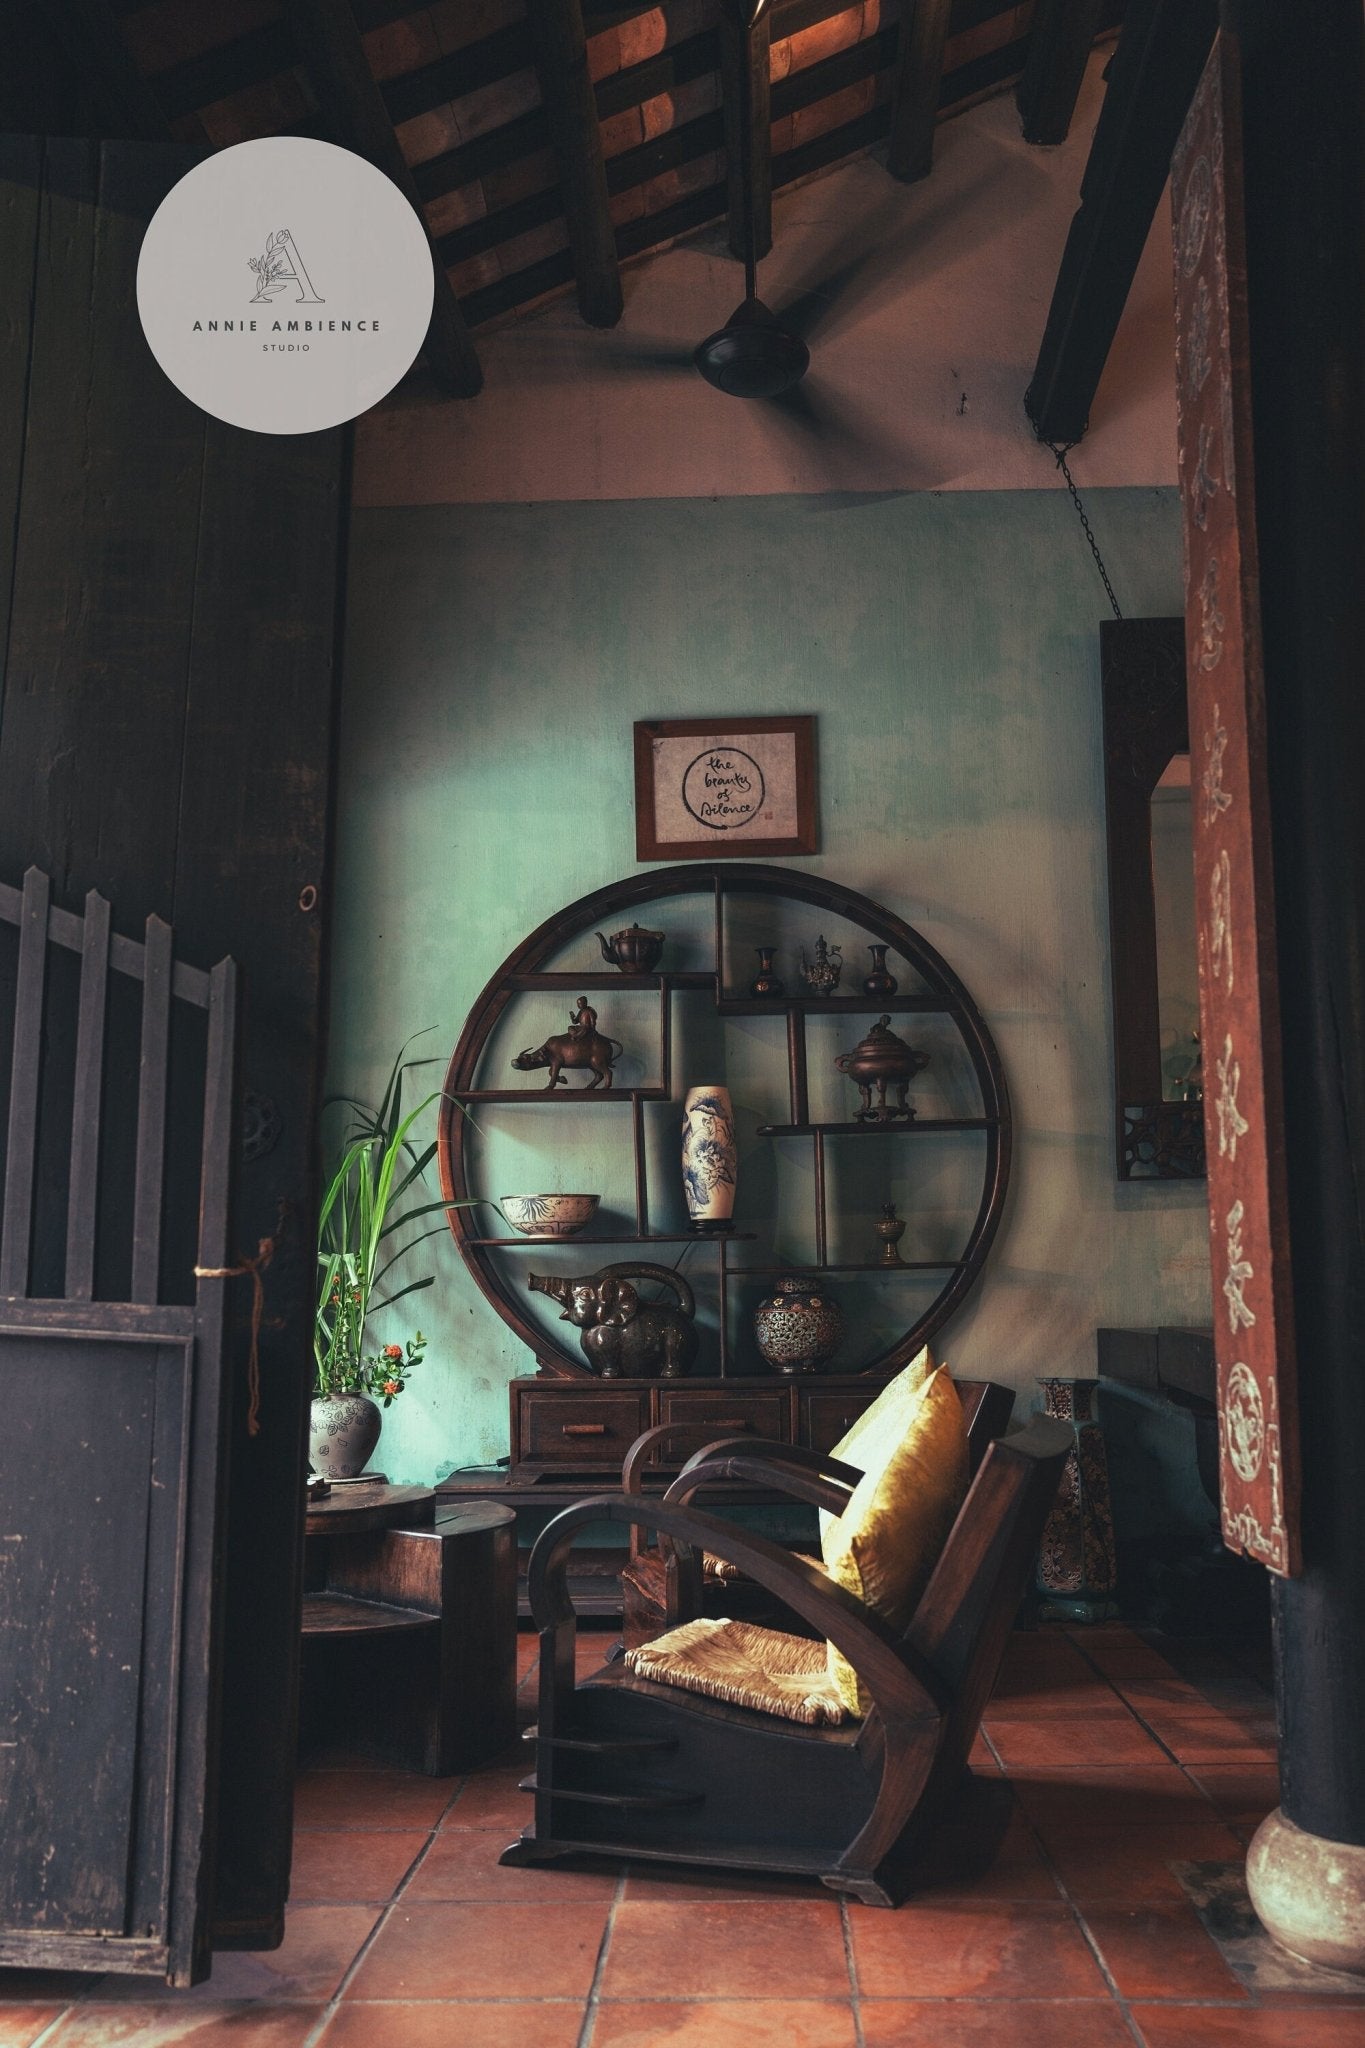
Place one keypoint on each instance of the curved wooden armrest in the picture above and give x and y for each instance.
(902, 1684)
(830, 1494)
(769, 1464)
(793, 1457)
(637, 1458)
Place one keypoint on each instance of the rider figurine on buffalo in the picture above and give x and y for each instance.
(582, 1045)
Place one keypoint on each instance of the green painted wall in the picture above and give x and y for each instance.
(498, 655)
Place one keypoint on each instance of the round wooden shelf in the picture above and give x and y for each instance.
(525, 970)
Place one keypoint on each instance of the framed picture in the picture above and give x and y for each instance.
(733, 789)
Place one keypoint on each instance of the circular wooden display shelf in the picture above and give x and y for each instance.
(524, 971)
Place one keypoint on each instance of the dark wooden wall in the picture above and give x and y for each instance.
(169, 608)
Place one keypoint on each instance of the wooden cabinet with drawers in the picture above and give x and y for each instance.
(563, 1427)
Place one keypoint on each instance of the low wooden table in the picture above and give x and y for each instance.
(409, 1630)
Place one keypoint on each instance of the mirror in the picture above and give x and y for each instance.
(1158, 1110)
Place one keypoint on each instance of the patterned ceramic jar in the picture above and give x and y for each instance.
(343, 1431)
(798, 1327)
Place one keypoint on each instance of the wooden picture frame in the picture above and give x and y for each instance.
(724, 788)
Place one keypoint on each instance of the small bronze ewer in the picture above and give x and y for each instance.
(878, 1060)
(634, 949)
(821, 975)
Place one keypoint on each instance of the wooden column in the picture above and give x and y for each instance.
(1063, 32)
(1152, 76)
(169, 606)
(1302, 121)
(571, 110)
(745, 58)
(914, 95)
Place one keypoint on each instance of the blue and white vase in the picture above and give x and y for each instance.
(709, 1158)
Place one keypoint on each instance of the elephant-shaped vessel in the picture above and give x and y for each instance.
(621, 1336)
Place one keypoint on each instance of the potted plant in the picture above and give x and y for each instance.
(361, 1210)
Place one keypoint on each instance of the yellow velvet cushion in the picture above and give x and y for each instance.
(911, 1445)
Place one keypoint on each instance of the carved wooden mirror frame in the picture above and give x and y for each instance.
(1146, 724)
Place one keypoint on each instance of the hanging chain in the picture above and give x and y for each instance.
(1061, 452)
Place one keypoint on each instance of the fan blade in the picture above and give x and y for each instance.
(649, 355)
(827, 429)
(828, 302)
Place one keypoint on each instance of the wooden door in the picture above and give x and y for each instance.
(111, 1451)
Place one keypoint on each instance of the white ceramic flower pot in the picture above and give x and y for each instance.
(343, 1431)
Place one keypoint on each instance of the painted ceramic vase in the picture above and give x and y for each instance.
(708, 1158)
(1077, 1568)
(343, 1431)
(798, 1327)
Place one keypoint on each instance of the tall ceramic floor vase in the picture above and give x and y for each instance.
(343, 1431)
(1077, 1567)
(709, 1157)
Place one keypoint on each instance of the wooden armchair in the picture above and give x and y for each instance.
(649, 1579)
(629, 1767)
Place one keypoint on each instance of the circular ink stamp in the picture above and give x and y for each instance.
(723, 788)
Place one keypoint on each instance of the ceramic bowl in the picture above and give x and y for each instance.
(548, 1215)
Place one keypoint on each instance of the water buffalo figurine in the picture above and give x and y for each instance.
(582, 1045)
(621, 1336)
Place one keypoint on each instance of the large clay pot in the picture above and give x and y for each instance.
(343, 1431)
(709, 1158)
(798, 1327)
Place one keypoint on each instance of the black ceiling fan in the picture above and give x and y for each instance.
(764, 356)
(753, 355)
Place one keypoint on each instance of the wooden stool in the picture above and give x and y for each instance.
(409, 1630)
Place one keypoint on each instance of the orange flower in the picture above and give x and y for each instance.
(392, 1387)
(393, 1351)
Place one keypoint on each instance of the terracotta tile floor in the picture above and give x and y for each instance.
(1047, 1914)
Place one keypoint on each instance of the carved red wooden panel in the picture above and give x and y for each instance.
(1238, 994)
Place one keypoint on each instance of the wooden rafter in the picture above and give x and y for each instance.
(1155, 69)
(330, 45)
(747, 99)
(90, 36)
(915, 94)
(561, 58)
(1063, 33)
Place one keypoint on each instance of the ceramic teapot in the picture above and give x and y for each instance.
(634, 949)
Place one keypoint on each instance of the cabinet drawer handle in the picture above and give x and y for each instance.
(723, 1422)
(583, 1428)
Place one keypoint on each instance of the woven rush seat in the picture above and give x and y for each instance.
(746, 1666)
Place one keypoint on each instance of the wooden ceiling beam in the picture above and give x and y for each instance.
(915, 93)
(1064, 32)
(129, 107)
(228, 68)
(747, 100)
(561, 59)
(1155, 68)
(329, 43)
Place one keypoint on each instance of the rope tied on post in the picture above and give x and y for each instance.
(265, 1252)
